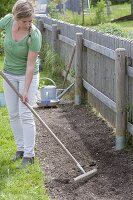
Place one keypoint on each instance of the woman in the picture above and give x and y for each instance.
(22, 44)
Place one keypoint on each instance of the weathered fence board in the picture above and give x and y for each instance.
(47, 26)
(99, 95)
(100, 49)
(66, 40)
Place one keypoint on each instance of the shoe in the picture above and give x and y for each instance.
(18, 155)
(26, 162)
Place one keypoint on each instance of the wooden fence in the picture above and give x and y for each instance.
(103, 67)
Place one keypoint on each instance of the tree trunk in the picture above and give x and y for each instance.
(64, 7)
(82, 6)
(108, 7)
(131, 7)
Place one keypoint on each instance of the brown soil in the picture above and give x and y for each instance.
(91, 142)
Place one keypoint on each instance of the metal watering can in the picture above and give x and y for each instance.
(48, 92)
(50, 95)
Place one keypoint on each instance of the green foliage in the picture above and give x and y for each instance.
(130, 113)
(120, 10)
(91, 19)
(52, 9)
(51, 60)
(2, 35)
(71, 17)
(42, 83)
(94, 2)
(128, 141)
(119, 1)
(6, 7)
(100, 16)
(128, 138)
(112, 28)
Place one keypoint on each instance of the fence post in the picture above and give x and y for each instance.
(78, 68)
(121, 118)
(54, 37)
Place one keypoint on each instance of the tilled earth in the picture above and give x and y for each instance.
(91, 142)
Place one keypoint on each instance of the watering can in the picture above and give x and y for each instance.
(49, 93)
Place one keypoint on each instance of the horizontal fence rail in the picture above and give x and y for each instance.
(66, 40)
(104, 99)
(130, 71)
(48, 27)
(99, 48)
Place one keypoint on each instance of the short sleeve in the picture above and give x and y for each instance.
(5, 21)
(36, 41)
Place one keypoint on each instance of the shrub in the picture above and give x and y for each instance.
(52, 10)
(51, 60)
(71, 17)
(6, 6)
(113, 29)
(94, 2)
(100, 15)
(119, 1)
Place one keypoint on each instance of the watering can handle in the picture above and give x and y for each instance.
(45, 78)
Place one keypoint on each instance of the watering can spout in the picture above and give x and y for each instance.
(64, 91)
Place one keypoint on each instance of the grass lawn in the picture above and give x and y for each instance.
(15, 184)
(120, 11)
(116, 12)
(127, 25)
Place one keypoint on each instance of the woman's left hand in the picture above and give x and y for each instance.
(25, 97)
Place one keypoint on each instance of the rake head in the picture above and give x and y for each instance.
(86, 175)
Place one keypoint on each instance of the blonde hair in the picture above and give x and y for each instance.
(22, 9)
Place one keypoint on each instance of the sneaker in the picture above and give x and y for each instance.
(18, 155)
(26, 162)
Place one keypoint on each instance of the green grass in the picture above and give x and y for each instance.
(16, 184)
(127, 25)
(120, 10)
(116, 12)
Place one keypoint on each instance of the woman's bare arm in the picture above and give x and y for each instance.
(32, 56)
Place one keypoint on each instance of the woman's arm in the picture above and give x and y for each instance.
(32, 56)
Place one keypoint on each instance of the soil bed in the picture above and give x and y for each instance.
(91, 142)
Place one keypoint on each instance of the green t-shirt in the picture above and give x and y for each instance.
(16, 53)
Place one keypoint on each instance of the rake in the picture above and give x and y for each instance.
(84, 174)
